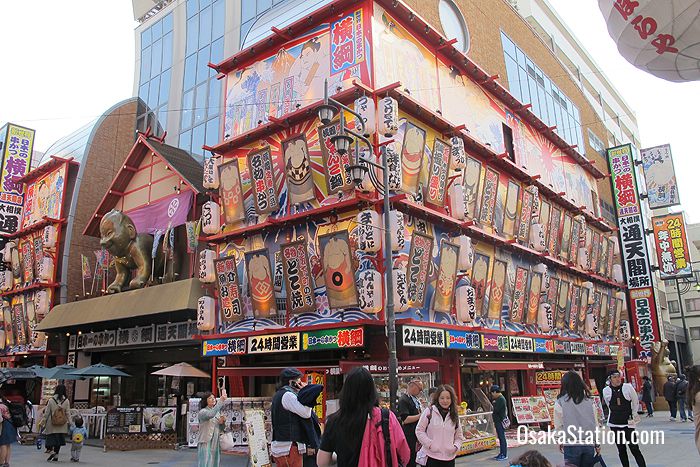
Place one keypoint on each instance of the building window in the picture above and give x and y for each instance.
(201, 96)
(252, 10)
(692, 304)
(596, 143)
(154, 76)
(453, 24)
(673, 306)
(531, 86)
(695, 334)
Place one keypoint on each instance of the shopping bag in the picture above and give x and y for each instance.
(598, 461)
(226, 441)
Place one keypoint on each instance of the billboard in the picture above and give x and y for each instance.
(672, 246)
(660, 176)
(16, 163)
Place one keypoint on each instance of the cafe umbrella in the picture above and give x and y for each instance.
(98, 369)
(59, 372)
(184, 370)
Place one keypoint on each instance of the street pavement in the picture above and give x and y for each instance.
(678, 450)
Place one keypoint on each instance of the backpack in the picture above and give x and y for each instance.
(18, 416)
(387, 437)
(59, 416)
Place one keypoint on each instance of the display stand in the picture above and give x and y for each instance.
(259, 454)
(131, 428)
(234, 412)
(477, 427)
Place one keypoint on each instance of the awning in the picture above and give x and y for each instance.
(496, 365)
(424, 365)
(131, 305)
(265, 370)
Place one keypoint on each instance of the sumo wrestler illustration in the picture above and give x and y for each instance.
(131, 251)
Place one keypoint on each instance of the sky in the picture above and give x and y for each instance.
(74, 59)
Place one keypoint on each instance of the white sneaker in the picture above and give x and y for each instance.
(672, 419)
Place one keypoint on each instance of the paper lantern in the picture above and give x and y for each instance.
(41, 302)
(5, 280)
(456, 204)
(393, 163)
(617, 273)
(625, 331)
(544, 270)
(206, 316)
(210, 179)
(207, 274)
(466, 253)
(211, 218)
(369, 236)
(366, 185)
(49, 236)
(623, 297)
(364, 106)
(7, 252)
(400, 290)
(545, 317)
(465, 304)
(591, 325)
(369, 288)
(458, 156)
(535, 200)
(398, 230)
(46, 269)
(388, 116)
(537, 237)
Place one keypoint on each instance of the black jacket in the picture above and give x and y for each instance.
(681, 389)
(407, 408)
(670, 391)
(647, 392)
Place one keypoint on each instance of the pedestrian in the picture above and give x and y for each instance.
(682, 396)
(439, 431)
(648, 395)
(623, 402)
(211, 424)
(500, 420)
(531, 459)
(287, 413)
(670, 396)
(694, 400)
(56, 421)
(574, 412)
(8, 437)
(409, 414)
(308, 396)
(78, 435)
(358, 431)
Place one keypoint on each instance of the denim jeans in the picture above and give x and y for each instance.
(501, 432)
(580, 456)
(673, 407)
(682, 409)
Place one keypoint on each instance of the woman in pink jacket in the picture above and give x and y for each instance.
(439, 431)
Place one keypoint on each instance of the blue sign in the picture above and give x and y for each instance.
(223, 347)
(544, 345)
(463, 340)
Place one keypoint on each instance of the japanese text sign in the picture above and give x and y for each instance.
(347, 43)
(262, 179)
(495, 342)
(437, 178)
(647, 29)
(463, 340)
(333, 339)
(660, 176)
(336, 164)
(417, 268)
(521, 344)
(414, 336)
(672, 246)
(633, 248)
(644, 318)
(624, 181)
(223, 347)
(17, 158)
(229, 290)
(297, 277)
(274, 343)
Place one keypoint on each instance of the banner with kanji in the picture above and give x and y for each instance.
(85, 263)
(17, 143)
(672, 246)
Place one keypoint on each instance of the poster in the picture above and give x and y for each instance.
(517, 306)
(159, 420)
(488, 199)
(566, 236)
(297, 168)
(573, 317)
(660, 176)
(17, 143)
(229, 289)
(562, 305)
(511, 210)
(44, 197)
(437, 176)
(533, 299)
(480, 271)
(336, 165)
(447, 277)
(262, 179)
(525, 216)
(19, 323)
(530, 409)
(27, 260)
(575, 241)
(297, 277)
(497, 289)
(419, 259)
(595, 246)
(412, 151)
(261, 288)
(339, 274)
(257, 438)
(553, 235)
(472, 179)
(672, 246)
(230, 192)
(583, 310)
(545, 213)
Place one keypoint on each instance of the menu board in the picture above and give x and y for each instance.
(257, 439)
(550, 395)
(121, 420)
(531, 409)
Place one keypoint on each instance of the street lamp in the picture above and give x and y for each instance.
(361, 165)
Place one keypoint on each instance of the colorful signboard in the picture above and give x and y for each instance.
(480, 271)
(338, 271)
(495, 343)
(660, 177)
(44, 197)
(412, 152)
(497, 289)
(447, 275)
(230, 192)
(521, 344)
(297, 277)
(549, 378)
(462, 340)
(417, 268)
(273, 343)
(517, 305)
(437, 177)
(415, 336)
(336, 164)
(229, 289)
(544, 345)
(333, 339)
(672, 246)
(530, 409)
(260, 283)
(223, 347)
(262, 178)
(17, 159)
(297, 167)
(488, 198)
(525, 216)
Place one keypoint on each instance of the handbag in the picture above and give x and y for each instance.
(598, 461)
(226, 441)
(506, 423)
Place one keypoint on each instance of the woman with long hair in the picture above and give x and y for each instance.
(56, 416)
(574, 408)
(439, 431)
(9, 432)
(355, 432)
(693, 374)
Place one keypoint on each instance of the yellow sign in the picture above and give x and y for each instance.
(17, 159)
(548, 377)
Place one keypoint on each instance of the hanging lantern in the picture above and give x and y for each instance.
(49, 236)
(458, 156)
(206, 318)
(537, 237)
(366, 185)
(458, 209)
(7, 252)
(623, 297)
(591, 297)
(398, 230)
(544, 270)
(41, 302)
(46, 269)
(211, 218)
(38, 339)
(466, 253)
(545, 317)
(591, 325)
(389, 116)
(393, 163)
(625, 331)
(369, 288)
(5, 280)
(617, 273)
(369, 238)
(465, 304)
(535, 201)
(400, 290)
(365, 107)
(207, 274)
(210, 179)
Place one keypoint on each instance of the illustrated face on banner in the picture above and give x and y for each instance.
(419, 259)
(297, 167)
(338, 270)
(437, 178)
(472, 179)
(583, 309)
(511, 211)
(412, 156)
(533, 300)
(498, 289)
(44, 197)
(447, 275)
(230, 192)
(297, 277)
(262, 292)
(480, 272)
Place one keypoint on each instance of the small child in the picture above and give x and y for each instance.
(78, 434)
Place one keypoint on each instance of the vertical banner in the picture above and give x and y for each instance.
(572, 322)
(597, 302)
(338, 271)
(562, 304)
(480, 271)
(27, 261)
(437, 177)
(229, 289)
(672, 246)
(472, 179)
(511, 210)
(595, 246)
(633, 249)
(574, 242)
(517, 305)
(553, 236)
(297, 277)
(611, 256)
(297, 167)
(337, 177)
(498, 289)
(447, 276)
(533, 299)
(526, 217)
(262, 178)
(412, 157)
(262, 293)
(566, 237)
(230, 192)
(583, 309)
(16, 163)
(419, 259)
(488, 200)
(660, 176)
